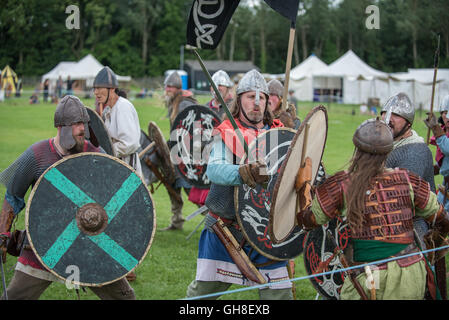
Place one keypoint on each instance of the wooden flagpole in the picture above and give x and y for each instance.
(288, 66)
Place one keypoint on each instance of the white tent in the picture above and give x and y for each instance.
(301, 80)
(350, 76)
(417, 84)
(86, 69)
(62, 69)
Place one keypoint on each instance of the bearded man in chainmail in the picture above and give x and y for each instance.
(216, 270)
(409, 149)
(31, 278)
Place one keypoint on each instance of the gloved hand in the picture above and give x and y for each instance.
(306, 219)
(254, 173)
(432, 123)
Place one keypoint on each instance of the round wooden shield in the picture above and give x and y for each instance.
(319, 248)
(309, 141)
(191, 138)
(90, 219)
(253, 205)
(99, 135)
(167, 167)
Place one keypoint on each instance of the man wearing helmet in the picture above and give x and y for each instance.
(224, 85)
(120, 118)
(409, 149)
(216, 270)
(175, 99)
(288, 117)
(31, 278)
(362, 194)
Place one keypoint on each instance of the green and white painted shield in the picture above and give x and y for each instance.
(92, 213)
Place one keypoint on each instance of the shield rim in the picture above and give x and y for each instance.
(284, 164)
(165, 152)
(236, 203)
(177, 118)
(30, 199)
(92, 111)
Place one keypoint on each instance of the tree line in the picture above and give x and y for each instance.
(144, 37)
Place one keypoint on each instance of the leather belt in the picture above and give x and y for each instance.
(228, 222)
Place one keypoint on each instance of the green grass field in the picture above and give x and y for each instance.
(171, 262)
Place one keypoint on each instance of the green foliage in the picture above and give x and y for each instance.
(140, 38)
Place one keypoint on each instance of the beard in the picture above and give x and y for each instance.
(255, 116)
(79, 145)
(401, 132)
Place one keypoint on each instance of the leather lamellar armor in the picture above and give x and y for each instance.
(389, 210)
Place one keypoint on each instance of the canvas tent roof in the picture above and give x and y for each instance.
(85, 69)
(352, 67)
(424, 76)
(307, 67)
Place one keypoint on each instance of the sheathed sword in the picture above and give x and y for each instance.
(237, 253)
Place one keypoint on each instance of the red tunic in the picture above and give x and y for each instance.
(232, 141)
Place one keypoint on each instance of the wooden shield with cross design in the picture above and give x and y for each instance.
(92, 213)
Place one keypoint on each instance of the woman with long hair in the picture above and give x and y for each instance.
(379, 205)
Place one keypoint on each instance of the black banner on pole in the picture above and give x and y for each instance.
(287, 8)
(208, 21)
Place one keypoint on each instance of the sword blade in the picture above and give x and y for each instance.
(196, 228)
(3, 278)
(197, 212)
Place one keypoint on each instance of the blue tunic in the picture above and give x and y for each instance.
(214, 263)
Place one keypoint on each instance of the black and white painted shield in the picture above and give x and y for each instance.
(90, 212)
(191, 142)
(99, 135)
(253, 205)
(320, 249)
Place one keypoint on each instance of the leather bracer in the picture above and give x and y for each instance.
(6, 217)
